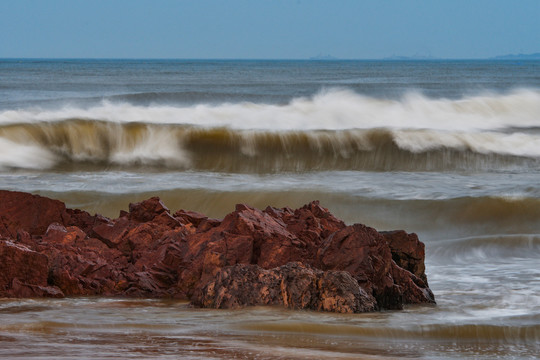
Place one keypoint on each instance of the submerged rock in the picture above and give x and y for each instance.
(303, 259)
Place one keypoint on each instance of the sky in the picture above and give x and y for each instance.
(267, 29)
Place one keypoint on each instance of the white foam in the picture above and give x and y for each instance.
(331, 110)
(24, 156)
(517, 144)
(155, 146)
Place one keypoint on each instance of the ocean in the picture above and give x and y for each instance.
(449, 150)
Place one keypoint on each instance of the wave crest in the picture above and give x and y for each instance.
(335, 109)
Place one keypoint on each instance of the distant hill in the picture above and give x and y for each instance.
(323, 57)
(414, 57)
(535, 56)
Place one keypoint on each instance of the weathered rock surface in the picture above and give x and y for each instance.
(304, 258)
(23, 272)
(293, 285)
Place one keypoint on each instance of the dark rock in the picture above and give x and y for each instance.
(293, 285)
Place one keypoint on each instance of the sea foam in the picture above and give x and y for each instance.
(335, 109)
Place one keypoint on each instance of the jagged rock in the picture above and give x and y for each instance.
(304, 258)
(407, 251)
(147, 210)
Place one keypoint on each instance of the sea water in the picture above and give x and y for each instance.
(449, 150)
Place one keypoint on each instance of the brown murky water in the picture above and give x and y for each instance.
(153, 329)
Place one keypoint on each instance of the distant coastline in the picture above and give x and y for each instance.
(410, 58)
(320, 57)
(323, 57)
(534, 56)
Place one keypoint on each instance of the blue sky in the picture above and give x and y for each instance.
(268, 29)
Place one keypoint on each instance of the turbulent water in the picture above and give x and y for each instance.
(447, 149)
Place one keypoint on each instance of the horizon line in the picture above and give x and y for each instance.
(390, 58)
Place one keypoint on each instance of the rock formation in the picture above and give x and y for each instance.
(303, 259)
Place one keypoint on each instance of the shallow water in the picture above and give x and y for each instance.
(449, 150)
(120, 328)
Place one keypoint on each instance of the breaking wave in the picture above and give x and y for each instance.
(337, 129)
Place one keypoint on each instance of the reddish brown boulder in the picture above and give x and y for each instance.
(154, 264)
(293, 285)
(146, 210)
(407, 251)
(190, 217)
(23, 272)
(362, 252)
(304, 258)
(245, 236)
(27, 290)
(4, 232)
(80, 265)
(310, 235)
(367, 256)
(32, 213)
(82, 219)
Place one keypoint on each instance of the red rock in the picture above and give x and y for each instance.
(24, 238)
(25, 290)
(82, 219)
(20, 262)
(312, 222)
(80, 265)
(4, 232)
(407, 251)
(24, 272)
(59, 234)
(304, 258)
(412, 290)
(146, 210)
(190, 217)
(246, 236)
(69, 284)
(111, 233)
(85, 272)
(31, 213)
(365, 254)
